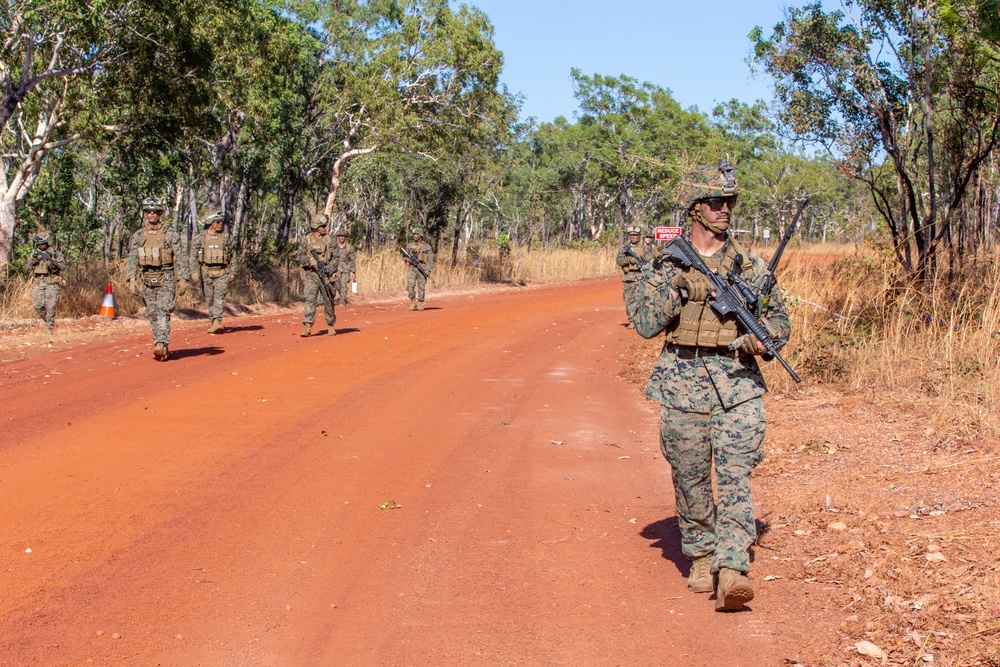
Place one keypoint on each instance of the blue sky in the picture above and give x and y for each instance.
(696, 49)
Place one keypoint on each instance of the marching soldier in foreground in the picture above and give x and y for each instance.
(318, 263)
(346, 266)
(210, 256)
(710, 396)
(416, 276)
(630, 265)
(46, 265)
(157, 269)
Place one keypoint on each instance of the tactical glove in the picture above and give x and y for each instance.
(749, 345)
(695, 284)
(133, 286)
(182, 287)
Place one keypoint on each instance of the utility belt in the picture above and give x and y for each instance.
(215, 270)
(157, 277)
(694, 352)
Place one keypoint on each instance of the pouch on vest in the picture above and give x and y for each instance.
(213, 253)
(215, 271)
(153, 278)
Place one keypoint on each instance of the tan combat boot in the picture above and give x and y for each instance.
(734, 590)
(330, 331)
(160, 352)
(413, 304)
(305, 332)
(218, 328)
(420, 305)
(211, 327)
(700, 578)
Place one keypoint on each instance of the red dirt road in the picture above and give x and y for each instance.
(225, 508)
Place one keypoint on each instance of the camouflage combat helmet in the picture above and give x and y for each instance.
(417, 231)
(216, 216)
(340, 231)
(155, 204)
(40, 239)
(633, 229)
(321, 220)
(708, 180)
(649, 233)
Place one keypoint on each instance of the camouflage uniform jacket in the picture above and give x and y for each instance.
(692, 379)
(424, 253)
(346, 260)
(46, 269)
(323, 247)
(629, 266)
(180, 265)
(196, 257)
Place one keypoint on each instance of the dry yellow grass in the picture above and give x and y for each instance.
(383, 272)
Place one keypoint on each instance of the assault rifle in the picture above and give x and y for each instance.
(731, 295)
(321, 270)
(412, 259)
(772, 266)
(42, 255)
(631, 253)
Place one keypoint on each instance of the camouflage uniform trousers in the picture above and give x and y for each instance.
(315, 294)
(215, 294)
(341, 287)
(629, 289)
(416, 283)
(44, 295)
(160, 302)
(736, 439)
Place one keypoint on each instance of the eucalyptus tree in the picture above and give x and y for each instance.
(905, 95)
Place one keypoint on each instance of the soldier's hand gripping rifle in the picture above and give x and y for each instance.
(631, 253)
(321, 270)
(731, 293)
(412, 259)
(772, 266)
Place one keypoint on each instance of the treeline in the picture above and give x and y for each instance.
(385, 114)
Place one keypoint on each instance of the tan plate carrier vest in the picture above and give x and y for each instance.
(699, 325)
(154, 251)
(213, 250)
(418, 250)
(320, 245)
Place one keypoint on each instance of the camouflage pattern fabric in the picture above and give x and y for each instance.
(416, 283)
(44, 295)
(314, 295)
(215, 294)
(346, 265)
(630, 268)
(47, 281)
(160, 301)
(214, 288)
(690, 441)
(711, 411)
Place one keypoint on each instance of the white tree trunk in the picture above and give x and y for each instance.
(8, 216)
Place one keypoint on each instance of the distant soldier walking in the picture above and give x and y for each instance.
(711, 410)
(158, 270)
(316, 273)
(346, 266)
(210, 256)
(630, 265)
(46, 265)
(416, 280)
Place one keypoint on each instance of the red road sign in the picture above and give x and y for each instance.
(667, 233)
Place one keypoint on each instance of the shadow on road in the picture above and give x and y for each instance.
(249, 327)
(667, 538)
(196, 352)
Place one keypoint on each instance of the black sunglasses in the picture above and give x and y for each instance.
(716, 203)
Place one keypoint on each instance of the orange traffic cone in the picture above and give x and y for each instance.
(108, 307)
